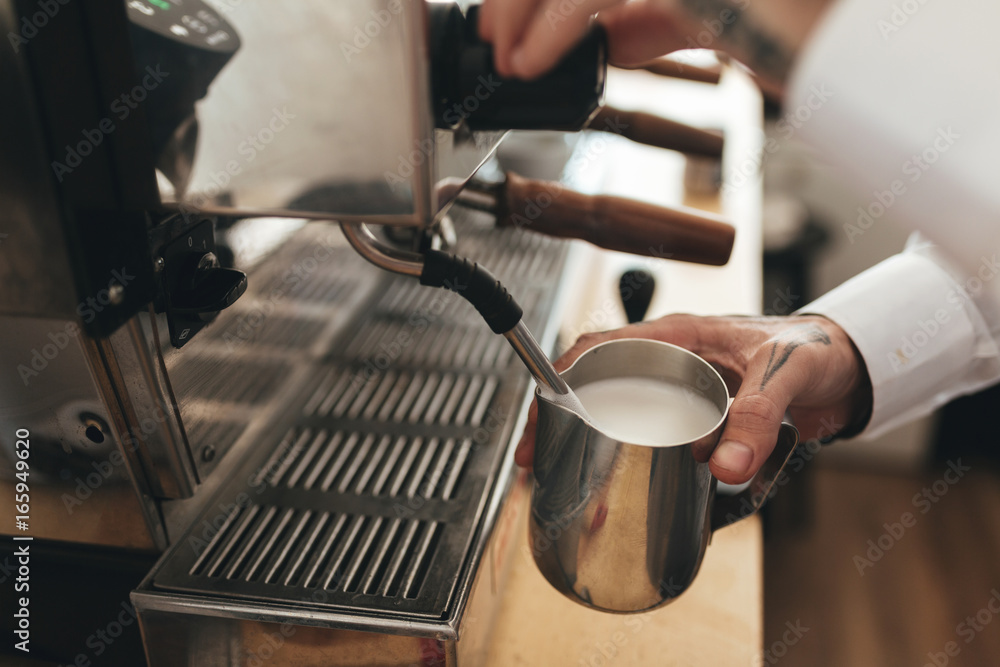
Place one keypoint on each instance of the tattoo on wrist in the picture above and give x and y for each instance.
(793, 339)
(762, 52)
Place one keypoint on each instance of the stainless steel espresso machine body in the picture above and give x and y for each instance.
(314, 450)
(315, 446)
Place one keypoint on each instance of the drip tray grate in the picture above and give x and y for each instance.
(321, 550)
(369, 495)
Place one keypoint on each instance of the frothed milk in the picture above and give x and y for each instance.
(645, 411)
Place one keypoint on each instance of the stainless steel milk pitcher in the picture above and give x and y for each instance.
(623, 527)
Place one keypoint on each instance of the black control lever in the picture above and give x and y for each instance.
(212, 288)
(195, 284)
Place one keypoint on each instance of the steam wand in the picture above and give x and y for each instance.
(470, 281)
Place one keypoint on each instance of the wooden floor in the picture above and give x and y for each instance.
(909, 604)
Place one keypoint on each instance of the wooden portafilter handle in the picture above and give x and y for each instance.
(614, 223)
(652, 130)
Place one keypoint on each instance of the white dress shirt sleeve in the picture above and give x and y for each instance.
(905, 96)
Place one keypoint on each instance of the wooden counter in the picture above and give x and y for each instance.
(718, 621)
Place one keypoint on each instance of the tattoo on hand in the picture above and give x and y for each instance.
(763, 53)
(796, 338)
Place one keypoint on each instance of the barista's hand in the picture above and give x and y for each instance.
(806, 365)
(530, 36)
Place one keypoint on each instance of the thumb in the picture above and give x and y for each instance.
(755, 416)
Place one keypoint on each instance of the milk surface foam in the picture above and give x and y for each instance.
(647, 411)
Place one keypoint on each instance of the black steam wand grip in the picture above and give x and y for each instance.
(488, 296)
(474, 284)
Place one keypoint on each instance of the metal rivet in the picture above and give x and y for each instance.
(208, 453)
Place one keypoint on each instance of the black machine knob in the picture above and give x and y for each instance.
(207, 288)
(195, 284)
(636, 289)
(467, 88)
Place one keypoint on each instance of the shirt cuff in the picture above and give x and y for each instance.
(908, 319)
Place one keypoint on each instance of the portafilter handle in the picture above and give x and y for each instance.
(614, 223)
(652, 130)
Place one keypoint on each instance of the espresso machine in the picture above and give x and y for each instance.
(217, 346)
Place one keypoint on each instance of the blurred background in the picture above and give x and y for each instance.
(933, 583)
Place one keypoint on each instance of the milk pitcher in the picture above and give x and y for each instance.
(623, 527)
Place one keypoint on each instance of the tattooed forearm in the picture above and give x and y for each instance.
(739, 35)
(794, 339)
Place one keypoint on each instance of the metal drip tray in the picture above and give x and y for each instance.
(368, 495)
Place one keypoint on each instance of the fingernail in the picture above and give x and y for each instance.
(733, 456)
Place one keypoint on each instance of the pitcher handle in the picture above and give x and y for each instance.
(727, 510)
